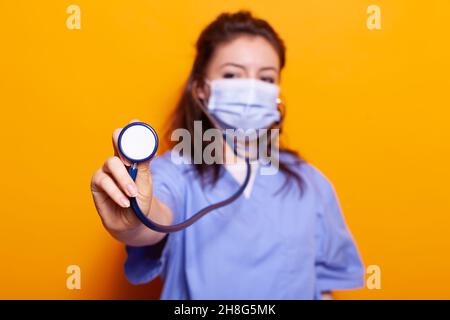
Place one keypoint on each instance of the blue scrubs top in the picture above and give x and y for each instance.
(268, 246)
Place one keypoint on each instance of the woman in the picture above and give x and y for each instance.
(284, 238)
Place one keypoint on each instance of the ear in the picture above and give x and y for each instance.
(202, 91)
(282, 109)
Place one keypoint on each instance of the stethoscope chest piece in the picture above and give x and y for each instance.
(138, 142)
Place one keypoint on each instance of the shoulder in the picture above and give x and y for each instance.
(321, 183)
(315, 178)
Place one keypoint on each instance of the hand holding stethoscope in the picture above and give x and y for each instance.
(112, 188)
(135, 146)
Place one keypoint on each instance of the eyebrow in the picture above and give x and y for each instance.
(243, 67)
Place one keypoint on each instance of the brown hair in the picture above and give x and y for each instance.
(226, 27)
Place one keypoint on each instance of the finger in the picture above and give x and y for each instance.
(115, 138)
(115, 168)
(144, 180)
(107, 184)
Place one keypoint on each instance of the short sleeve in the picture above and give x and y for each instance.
(145, 263)
(338, 263)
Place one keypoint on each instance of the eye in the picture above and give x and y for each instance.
(229, 75)
(268, 79)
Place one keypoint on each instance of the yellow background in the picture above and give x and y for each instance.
(369, 108)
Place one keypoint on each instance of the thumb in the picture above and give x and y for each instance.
(144, 185)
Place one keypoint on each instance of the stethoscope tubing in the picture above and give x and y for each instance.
(148, 222)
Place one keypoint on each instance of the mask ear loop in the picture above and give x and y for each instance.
(282, 109)
(281, 106)
(202, 105)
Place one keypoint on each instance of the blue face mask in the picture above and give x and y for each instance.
(244, 103)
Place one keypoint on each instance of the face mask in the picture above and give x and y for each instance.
(244, 103)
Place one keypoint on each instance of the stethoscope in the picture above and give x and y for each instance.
(138, 142)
